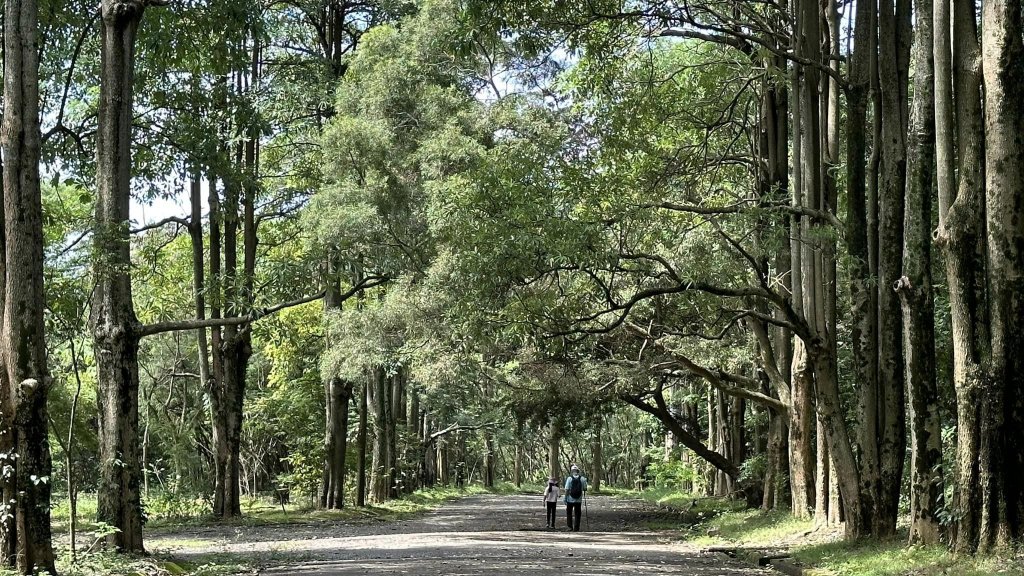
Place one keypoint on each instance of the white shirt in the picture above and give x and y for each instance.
(551, 494)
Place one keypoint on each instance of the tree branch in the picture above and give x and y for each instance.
(176, 325)
(169, 220)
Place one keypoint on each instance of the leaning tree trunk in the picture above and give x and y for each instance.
(26, 539)
(114, 324)
(915, 291)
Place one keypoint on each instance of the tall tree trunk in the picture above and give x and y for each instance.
(488, 459)
(520, 449)
(394, 386)
(416, 449)
(379, 481)
(114, 324)
(891, 431)
(1001, 437)
(822, 478)
(554, 441)
(337, 392)
(361, 446)
(236, 347)
(915, 291)
(25, 382)
(818, 343)
(800, 451)
(597, 456)
(801, 456)
(961, 237)
(773, 478)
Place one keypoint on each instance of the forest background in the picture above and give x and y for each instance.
(757, 250)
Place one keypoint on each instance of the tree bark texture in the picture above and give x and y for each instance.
(361, 445)
(337, 392)
(1002, 414)
(114, 324)
(915, 291)
(25, 538)
(961, 237)
(379, 401)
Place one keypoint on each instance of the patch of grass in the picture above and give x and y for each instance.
(262, 512)
(895, 558)
(105, 563)
(753, 528)
(60, 513)
(720, 522)
(692, 511)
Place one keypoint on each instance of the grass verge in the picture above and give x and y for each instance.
(716, 522)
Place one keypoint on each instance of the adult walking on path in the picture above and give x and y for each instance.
(575, 491)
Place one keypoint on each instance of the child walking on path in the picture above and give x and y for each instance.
(551, 501)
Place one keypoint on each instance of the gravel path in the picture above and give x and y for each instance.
(494, 535)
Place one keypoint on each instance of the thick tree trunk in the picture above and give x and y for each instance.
(115, 327)
(337, 394)
(890, 435)
(554, 442)
(801, 454)
(379, 477)
(961, 236)
(860, 236)
(227, 426)
(823, 478)
(1001, 434)
(915, 291)
(25, 381)
(773, 477)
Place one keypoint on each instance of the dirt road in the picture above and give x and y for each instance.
(494, 535)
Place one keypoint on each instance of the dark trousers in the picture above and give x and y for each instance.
(552, 512)
(572, 512)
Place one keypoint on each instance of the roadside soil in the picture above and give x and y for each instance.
(488, 534)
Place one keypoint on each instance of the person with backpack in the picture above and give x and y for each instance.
(575, 487)
(551, 501)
